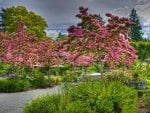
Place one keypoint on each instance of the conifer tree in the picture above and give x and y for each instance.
(100, 18)
(135, 30)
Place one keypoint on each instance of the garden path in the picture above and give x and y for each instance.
(14, 102)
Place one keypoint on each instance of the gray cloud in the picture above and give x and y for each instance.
(1, 1)
(61, 13)
(144, 9)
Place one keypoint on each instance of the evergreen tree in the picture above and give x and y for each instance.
(100, 18)
(135, 30)
(2, 27)
(61, 36)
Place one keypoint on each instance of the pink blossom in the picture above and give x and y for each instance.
(9, 56)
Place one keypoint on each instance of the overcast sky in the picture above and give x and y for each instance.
(61, 13)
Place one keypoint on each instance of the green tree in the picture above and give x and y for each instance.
(35, 23)
(61, 36)
(135, 30)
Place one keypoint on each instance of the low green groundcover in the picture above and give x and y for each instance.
(87, 97)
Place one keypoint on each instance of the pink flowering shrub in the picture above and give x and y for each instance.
(109, 40)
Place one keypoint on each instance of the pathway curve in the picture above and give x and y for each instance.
(14, 102)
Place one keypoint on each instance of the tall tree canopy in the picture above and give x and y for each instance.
(135, 30)
(35, 23)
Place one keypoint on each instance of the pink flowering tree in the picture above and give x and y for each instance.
(23, 49)
(75, 59)
(108, 43)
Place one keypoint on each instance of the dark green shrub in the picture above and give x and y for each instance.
(39, 82)
(13, 85)
(143, 49)
(45, 81)
(88, 97)
(36, 78)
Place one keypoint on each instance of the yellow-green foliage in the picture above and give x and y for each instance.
(53, 80)
(88, 97)
(118, 75)
(56, 79)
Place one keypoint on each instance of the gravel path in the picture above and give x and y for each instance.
(14, 102)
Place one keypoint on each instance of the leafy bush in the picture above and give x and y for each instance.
(94, 68)
(107, 97)
(87, 97)
(78, 107)
(146, 97)
(6, 68)
(137, 65)
(39, 82)
(55, 80)
(141, 70)
(118, 75)
(45, 104)
(70, 76)
(13, 85)
(35, 77)
(26, 78)
(143, 49)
